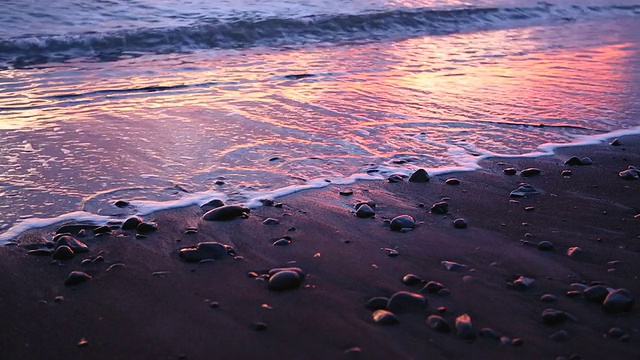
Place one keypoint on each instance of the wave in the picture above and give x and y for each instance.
(213, 34)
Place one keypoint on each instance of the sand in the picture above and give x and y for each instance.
(144, 302)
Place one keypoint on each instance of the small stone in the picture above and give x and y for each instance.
(365, 211)
(384, 317)
(391, 252)
(371, 204)
(215, 203)
(63, 253)
(259, 326)
(553, 316)
(440, 208)
(442, 309)
(573, 161)
(267, 202)
(432, 287)
(545, 245)
(524, 190)
(282, 242)
(77, 277)
(404, 301)
(214, 305)
(573, 294)
(452, 181)
(630, 174)
(464, 327)
(523, 283)
(444, 292)
(574, 251)
(615, 333)
(615, 142)
(586, 161)
(561, 335)
(284, 280)
(40, 252)
(619, 300)
(566, 173)
(438, 323)
(529, 208)
(271, 221)
(420, 176)
(548, 298)
(460, 223)
(452, 265)
(411, 279)
(105, 229)
(76, 245)
(596, 293)
(121, 204)
(146, 227)
(346, 192)
(377, 303)
(58, 299)
(530, 172)
(509, 171)
(517, 342)
(353, 353)
(226, 212)
(205, 251)
(83, 343)
(395, 178)
(489, 333)
(402, 222)
(132, 223)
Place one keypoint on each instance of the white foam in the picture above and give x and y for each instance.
(461, 156)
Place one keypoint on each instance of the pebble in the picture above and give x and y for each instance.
(404, 301)
(346, 192)
(615, 142)
(619, 300)
(146, 227)
(215, 203)
(420, 176)
(411, 279)
(105, 229)
(524, 190)
(371, 204)
(271, 221)
(452, 265)
(460, 223)
(529, 208)
(40, 252)
(259, 326)
(464, 327)
(630, 174)
(548, 298)
(438, 323)
(440, 208)
(615, 333)
(510, 171)
(77, 277)
(553, 316)
(574, 251)
(121, 204)
(284, 280)
(530, 172)
(517, 342)
(132, 223)
(384, 317)
(523, 283)
(83, 343)
(204, 251)
(561, 335)
(377, 303)
(282, 241)
(573, 294)
(432, 287)
(452, 181)
(596, 293)
(545, 245)
(226, 212)
(365, 211)
(575, 161)
(402, 222)
(444, 292)
(63, 252)
(76, 245)
(395, 178)
(489, 333)
(566, 173)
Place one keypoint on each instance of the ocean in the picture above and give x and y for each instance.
(166, 104)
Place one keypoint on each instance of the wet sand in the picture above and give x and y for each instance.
(144, 301)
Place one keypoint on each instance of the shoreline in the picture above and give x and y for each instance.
(144, 301)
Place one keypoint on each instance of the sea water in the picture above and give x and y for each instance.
(166, 104)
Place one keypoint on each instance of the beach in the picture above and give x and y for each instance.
(505, 265)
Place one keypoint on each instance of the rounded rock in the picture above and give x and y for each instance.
(545, 245)
(432, 287)
(403, 222)
(284, 280)
(528, 172)
(365, 211)
(619, 300)
(63, 252)
(377, 303)
(419, 175)
(548, 298)
(76, 245)
(596, 293)
(404, 301)
(440, 208)
(146, 227)
(574, 251)
(384, 317)
(226, 212)
(438, 323)
(464, 327)
(460, 223)
(77, 277)
(510, 171)
(452, 181)
(132, 223)
(411, 279)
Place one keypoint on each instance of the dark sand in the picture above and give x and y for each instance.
(129, 312)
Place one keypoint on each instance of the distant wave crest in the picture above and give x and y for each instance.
(211, 34)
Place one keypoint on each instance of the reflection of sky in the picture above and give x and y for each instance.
(191, 118)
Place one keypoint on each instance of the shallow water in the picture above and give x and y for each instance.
(271, 115)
